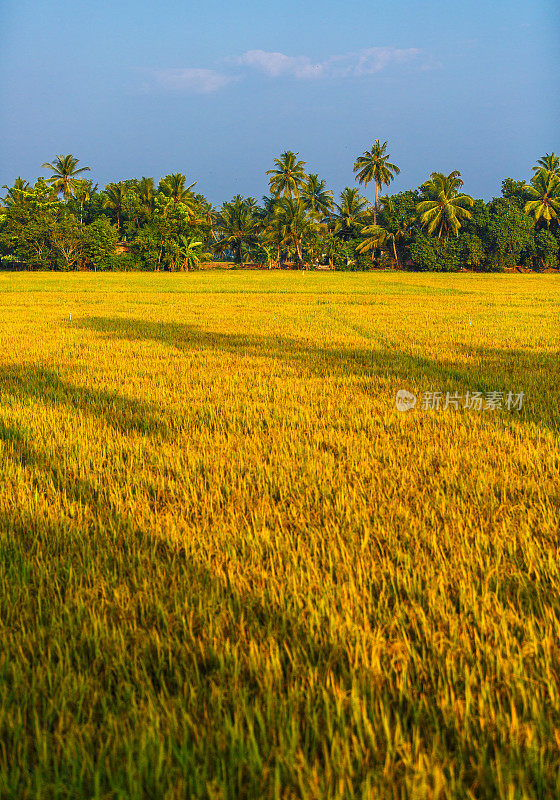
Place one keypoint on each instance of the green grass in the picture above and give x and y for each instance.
(230, 568)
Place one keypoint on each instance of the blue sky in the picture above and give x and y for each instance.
(218, 90)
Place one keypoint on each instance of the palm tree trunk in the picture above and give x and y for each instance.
(375, 206)
(298, 251)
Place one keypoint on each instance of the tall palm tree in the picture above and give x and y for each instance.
(64, 174)
(374, 165)
(289, 176)
(114, 199)
(351, 213)
(549, 162)
(318, 199)
(545, 191)
(445, 209)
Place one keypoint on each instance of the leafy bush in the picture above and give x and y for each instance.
(100, 239)
(345, 258)
(429, 253)
(126, 262)
(546, 249)
(472, 253)
(510, 237)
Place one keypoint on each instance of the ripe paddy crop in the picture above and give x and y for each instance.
(230, 568)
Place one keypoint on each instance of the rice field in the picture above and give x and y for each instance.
(231, 568)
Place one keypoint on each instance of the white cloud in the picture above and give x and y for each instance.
(274, 65)
(350, 65)
(190, 79)
(374, 59)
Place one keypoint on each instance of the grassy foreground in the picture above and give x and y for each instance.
(230, 568)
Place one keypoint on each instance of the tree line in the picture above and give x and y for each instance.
(65, 222)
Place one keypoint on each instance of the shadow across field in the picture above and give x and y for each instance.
(136, 588)
(46, 386)
(475, 369)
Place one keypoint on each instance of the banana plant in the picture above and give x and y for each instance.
(189, 251)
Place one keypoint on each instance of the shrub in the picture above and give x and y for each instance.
(546, 247)
(100, 239)
(429, 253)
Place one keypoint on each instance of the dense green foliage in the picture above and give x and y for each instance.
(65, 222)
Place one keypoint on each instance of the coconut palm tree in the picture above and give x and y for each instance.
(262, 254)
(392, 238)
(64, 174)
(294, 222)
(180, 197)
(545, 191)
(173, 187)
(319, 200)
(237, 226)
(114, 199)
(351, 213)
(206, 212)
(146, 194)
(445, 209)
(549, 162)
(16, 193)
(272, 236)
(374, 165)
(83, 190)
(288, 178)
(396, 225)
(377, 236)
